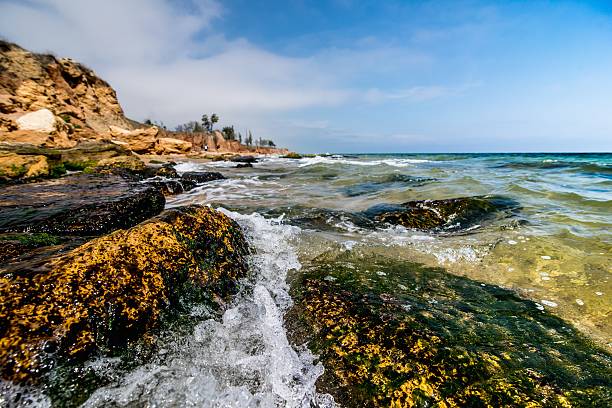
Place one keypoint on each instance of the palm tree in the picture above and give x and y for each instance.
(213, 119)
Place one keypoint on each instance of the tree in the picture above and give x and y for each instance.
(148, 122)
(213, 119)
(206, 122)
(240, 137)
(249, 139)
(271, 143)
(229, 132)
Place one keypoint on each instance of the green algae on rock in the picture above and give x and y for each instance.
(403, 335)
(455, 214)
(113, 288)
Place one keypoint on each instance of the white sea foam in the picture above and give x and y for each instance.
(309, 161)
(184, 167)
(224, 190)
(245, 360)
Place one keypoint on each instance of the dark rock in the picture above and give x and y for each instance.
(400, 334)
(168, 171)
(202, 177)
(244, 165)
(114, 288)
(80, 204)
(243, 159)
(450, 215)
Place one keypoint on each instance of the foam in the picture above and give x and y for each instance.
(310, 161)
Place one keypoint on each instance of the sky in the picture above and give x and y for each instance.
(348, 76)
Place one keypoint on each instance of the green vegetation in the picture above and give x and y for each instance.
(34, 240)
(206, 124)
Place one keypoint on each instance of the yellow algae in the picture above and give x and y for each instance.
(114, 288)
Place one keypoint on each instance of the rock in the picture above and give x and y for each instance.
(139, 140)
(13, 246)
(244, 159)
(80, 204)
(30, 82)
(22, 167)
(244, 165)
(202, 177)
(112, 289)
(167, 170)
(292, 155)
(168, 145)
(43, 120)
(450, 215)
(131, 163)
(397, 334)
(169, 187)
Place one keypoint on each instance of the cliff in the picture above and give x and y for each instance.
(59, 103)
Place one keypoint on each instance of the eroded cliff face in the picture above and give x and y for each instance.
(83, 104)
(58, 103)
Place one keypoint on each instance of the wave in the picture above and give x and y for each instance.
(310, 161)
(243, 360)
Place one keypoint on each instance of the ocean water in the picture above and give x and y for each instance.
(554, 247)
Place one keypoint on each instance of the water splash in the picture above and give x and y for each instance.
(244, 360)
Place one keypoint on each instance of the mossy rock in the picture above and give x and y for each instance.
(114, 288)
(397, 334)
(292, 155)
(78, 205)
(451, 215)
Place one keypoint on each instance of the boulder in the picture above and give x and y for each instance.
(81, 204)
(112, 289)
(139, 140)
(201, 177)
(244, 159)
(398, 334)
(451, 215)
(42, 120)
(168, 145)
(244, 165)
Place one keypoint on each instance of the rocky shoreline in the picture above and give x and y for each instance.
(91, 262)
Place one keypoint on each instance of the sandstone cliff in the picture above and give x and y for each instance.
(59, 103)
(82, 104)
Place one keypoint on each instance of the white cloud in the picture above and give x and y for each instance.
(169, 62)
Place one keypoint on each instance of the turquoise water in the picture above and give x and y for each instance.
(555, 249)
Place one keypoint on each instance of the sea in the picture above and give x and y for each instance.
(554, 248)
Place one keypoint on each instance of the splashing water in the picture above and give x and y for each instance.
(244, 360)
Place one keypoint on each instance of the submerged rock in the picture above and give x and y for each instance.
(403, 335)
(388, 181)
(113, 288)
(80, 204)
(450, 215)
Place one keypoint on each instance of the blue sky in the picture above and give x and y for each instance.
(349, 76)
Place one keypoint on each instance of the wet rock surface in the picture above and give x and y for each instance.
(400, 334)
(451, 215)
(243, 159)
(81, 204)
(112, 289)
(202, 177)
